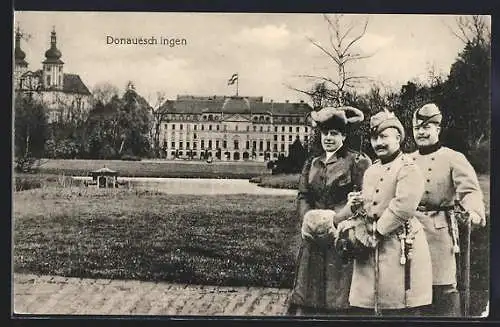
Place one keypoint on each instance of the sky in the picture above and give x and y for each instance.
(270, 52)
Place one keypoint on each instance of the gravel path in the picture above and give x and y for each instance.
(55, 295)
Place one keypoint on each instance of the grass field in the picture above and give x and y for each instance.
(188, 169)
(223, 240)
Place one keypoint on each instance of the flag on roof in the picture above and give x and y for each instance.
(233, 79)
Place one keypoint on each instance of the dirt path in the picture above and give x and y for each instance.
(58, 295)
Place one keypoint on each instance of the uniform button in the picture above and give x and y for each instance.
(381, 179)
(414, 158)
(432, 158)
(430, 169)
(388, 168)
(426, 192)
(375, 216)
(428, 180)
(375, 203)
(377, 190)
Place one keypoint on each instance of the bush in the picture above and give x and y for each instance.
(23, 184)
(128, 157)
(479, 157)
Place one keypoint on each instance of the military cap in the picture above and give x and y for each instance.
(336, 117)
(383, 120)
(429, 113)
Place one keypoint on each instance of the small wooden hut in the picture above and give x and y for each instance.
(104, 177)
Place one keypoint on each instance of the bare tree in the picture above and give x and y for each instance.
(341, 50)
(473, 29)
(159, 111)
(104, 92)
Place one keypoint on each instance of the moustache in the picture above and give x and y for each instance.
(380, 147)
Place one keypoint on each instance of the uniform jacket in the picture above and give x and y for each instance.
(322, 280)
(448, 176)
(391, 193)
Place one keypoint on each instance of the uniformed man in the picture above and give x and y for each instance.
(395, 276)
(448, 176)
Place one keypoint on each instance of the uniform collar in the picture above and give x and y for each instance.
(390, 158)
(430, 148)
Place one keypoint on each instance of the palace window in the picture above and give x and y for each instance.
(290, 138)
(261, 128)
(306, 129)
(236, 145)
(209, 127)
(261, 145)
(236, 128)
(297, 129)
(195, 127)
(254, 145)
(187, 145)
(173, 145)
(195, 136)
(181, 127)
(268, 128)
(255, 128)
(247, 145)
(218, 127)
(210, 144)
(275, 147)
(180, 145)
(225, 128)
(290, 129)
(217, 144)
(283, 129)
(268, 145)
(194, 145)
(224, 144)
(275, 137)
(202, 127)
(210, 117)
(306, 138)
(173, 126)
(283, 138)
(282, 147)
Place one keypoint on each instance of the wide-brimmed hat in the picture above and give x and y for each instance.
(383, 120)
(428, 113)
(336, 117)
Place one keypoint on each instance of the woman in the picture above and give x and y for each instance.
(322, 278)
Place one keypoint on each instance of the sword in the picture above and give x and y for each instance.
(376, 286)
(463, 260)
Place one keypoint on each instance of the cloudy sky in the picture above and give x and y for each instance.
(269, 51)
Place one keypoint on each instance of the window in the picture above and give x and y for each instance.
(217, 144)
(268, 147)
(236, 128)
(261, 128)
(247, 145)
(290, 138)
(187, 145)
(282, 147)
(173, 145)
(210, 144)
(173, 126)
(275, 147)
(297, 129)
(248, 128)
(283, 129)
(180, 127)
(261, 145)
(275, 137)
(224, 144)
(254, 145)
(290, 129)
(180, 144)
(48, 68)
(255, 128)
(236, 145)
(202, 127)
(275, 128)
(194, 145)
(306, 129)
(195, 127)
(195, 136)
(282, 138)
(210, 117)
(306, 138)
(268, 128)
(204, 117)
(209, 127)
(218, 127)
(203, 144)
(225, 128)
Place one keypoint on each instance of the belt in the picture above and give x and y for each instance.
(429, 207)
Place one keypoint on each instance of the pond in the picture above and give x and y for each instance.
(200, 186)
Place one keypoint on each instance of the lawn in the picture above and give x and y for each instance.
(188, 169)
(223, 240)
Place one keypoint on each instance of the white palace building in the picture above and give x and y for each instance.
(232, 128)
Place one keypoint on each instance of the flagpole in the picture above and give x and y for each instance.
(237, 81)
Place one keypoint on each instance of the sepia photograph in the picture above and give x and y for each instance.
(292, 165)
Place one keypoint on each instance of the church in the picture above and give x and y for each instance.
(65, 95)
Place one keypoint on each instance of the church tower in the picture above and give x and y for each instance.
(20, 64)
(53, 74)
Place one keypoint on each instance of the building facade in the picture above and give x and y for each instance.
(64, 95)
(232, 128)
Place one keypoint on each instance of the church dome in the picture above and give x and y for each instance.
(53, 55)
(19, 54)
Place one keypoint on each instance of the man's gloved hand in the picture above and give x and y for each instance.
(476, 219)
